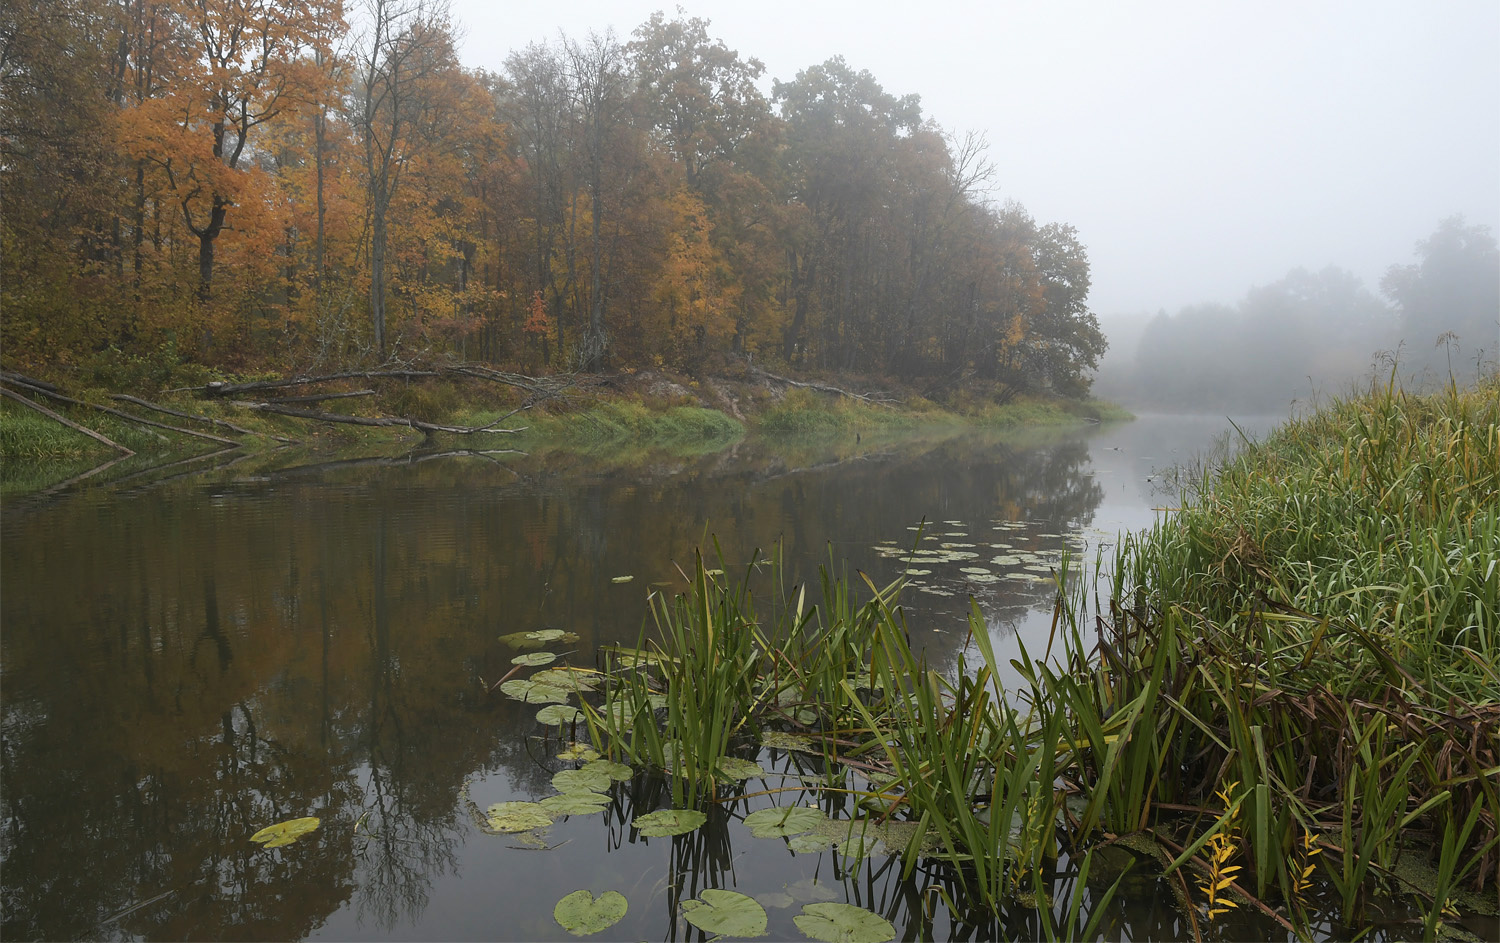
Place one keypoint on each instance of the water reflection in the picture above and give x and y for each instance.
(187, 659)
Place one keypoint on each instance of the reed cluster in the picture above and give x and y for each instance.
(1292, 680)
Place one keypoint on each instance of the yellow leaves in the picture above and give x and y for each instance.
(284, 833)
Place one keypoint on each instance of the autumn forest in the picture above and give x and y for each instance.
(262, 186)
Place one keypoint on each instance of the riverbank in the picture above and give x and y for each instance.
(636, 412)
(1289, 708)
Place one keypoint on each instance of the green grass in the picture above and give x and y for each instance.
(1293, 684)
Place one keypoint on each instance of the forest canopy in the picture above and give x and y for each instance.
(287, 185)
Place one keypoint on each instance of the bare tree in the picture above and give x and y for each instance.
(407, 41)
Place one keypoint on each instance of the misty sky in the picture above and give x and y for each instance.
(1200, 148)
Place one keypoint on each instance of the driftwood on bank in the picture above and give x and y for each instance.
(220, 423)
(427, 427)
(874, 399)
(320, 397)
(111, 411)
(11, 394)
(536, 386)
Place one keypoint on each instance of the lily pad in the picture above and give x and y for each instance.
(559, 715)
(808, 844)
(621, 579)
(517, 816)
(538, 638)
(784, 821)
(533, 693)
(668, 822)
(578, 753)
(859, 846)
(533, 659)
(581, 914)
(843, 923)
(581, 780)
(570, 681)
(284, 833)
(575, 803)
(726, 913)
(618, 772)
(777, 740)
(735, 768)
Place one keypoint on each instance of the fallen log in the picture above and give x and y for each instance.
(319, 397)
(24, 380)
(11, 394)
(218, 388)
(427, 427)
(109, 410)
(126, 398)
(824, 388)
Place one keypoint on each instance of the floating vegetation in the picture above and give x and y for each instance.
(582, 780)
(284, 833)
(511, 817)
(726, 913)
(733, 767)
(578, 753)
(572, 680)
(575, 803)
(668, 822)
(531, 692)
(621, 579)
(559, 715)
(784, 821)
(843, 923)
(582, 914)
(534, 659)
(780, 740)
(538, 638)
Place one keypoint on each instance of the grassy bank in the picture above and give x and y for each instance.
(1291, 703)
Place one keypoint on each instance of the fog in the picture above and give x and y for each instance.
(1204, 151)
(1200, 149)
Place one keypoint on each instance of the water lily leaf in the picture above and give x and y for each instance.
(578, 753)
(808, 844)
(284, 833)
(982, 578)
(858, 846)
(538, 638)
(777, 740)
(533, 659)
(668, 822)
(575, 803)
(532, 693)
(735, 768)
(571, 681)
(559, 715)
(726, 913)
(913, 571)
(783, 821)
(621, 579)
(517, 816)
(581, 914)
(618, 772)
(581, 780)
(843, 923)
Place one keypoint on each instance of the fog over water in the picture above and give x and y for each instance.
(1200, 149)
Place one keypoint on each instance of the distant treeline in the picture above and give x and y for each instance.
(1316, 333)
(258, 186)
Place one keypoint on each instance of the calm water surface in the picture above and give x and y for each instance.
(185, 660)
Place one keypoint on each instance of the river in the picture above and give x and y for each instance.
(186, 658)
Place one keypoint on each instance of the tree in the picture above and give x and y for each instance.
(1452, 295)
(408, 41)
(243, 60)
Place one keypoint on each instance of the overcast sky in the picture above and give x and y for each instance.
(1199, 147)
